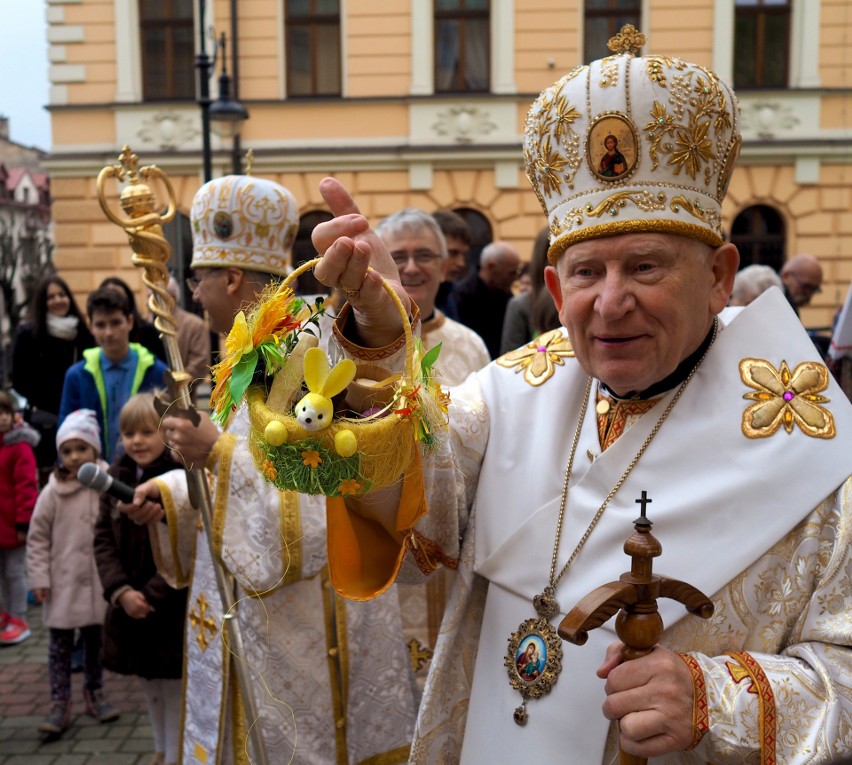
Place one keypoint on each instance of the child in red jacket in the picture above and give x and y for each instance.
(18, 492)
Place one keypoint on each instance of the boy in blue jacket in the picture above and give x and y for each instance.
(112, 372)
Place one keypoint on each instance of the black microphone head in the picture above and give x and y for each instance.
(89, 474)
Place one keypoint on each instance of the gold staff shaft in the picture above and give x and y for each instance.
(151, 252)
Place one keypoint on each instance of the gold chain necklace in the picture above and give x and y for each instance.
(534, 658)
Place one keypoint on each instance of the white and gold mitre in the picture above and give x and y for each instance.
(244, 222)
(632, 144)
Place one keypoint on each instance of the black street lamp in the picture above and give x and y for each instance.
(228, 113)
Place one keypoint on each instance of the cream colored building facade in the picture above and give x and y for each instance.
(396, 142)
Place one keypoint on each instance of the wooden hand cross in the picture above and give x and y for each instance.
(638, 624)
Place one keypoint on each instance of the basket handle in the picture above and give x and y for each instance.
(406, 324)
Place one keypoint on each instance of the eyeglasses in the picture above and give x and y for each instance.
(809, 287)
(194, 282)
(421, 258)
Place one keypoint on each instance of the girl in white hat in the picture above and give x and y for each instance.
(63, 573)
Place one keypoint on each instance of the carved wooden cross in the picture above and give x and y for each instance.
(638, 624)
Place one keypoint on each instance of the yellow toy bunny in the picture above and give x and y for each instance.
(315, 410)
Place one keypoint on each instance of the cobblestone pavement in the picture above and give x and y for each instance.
(25, 700)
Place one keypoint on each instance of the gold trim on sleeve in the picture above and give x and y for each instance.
(700, 712)
(745, 666)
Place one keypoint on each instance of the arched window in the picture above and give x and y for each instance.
(605, 18)
(480, 233)
(758, 233)
(761, 43)
(303, 251)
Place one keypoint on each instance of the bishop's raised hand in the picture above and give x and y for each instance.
(348, 247)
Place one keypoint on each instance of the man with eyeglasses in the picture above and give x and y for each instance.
(419, 250)
(481, 299)
(802, 277)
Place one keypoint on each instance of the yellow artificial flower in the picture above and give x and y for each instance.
(269, 470)
(239, 341)
(311, 458)
(349, 486)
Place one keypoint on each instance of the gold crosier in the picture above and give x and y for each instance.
(151, 252)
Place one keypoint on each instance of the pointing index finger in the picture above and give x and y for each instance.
(336, 196)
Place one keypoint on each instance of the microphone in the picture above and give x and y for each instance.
(102, 482)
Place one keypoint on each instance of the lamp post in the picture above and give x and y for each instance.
(224, 111)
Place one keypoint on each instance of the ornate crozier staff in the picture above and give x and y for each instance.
(151, 252)
(638, 624)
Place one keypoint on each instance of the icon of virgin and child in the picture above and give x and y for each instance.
(530, 658)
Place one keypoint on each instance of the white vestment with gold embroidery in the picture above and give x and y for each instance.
(763, 525)
(332, 678)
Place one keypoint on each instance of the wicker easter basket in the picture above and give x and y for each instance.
(308, 461)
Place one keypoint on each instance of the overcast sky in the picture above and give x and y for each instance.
(23, 63)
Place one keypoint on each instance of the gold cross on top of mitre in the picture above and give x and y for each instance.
(628, 40)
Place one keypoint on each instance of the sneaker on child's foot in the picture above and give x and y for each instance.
(99, 707)
(58, 718)
(16, 631)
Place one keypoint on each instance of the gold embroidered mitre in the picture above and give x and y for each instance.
(243, 222)
(632, 144)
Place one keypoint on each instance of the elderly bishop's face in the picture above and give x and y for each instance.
(636, 305)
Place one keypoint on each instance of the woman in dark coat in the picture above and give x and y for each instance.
(44, 347)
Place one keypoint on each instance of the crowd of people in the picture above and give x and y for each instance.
(637, 359)
(83, 382)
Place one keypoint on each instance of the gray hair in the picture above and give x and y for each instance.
(413, 221)
(755, 280)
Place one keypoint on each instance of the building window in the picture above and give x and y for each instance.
(758, 233)
(313, 47)
(462, 46)
(168, 49)
(761, 43)
(605, 18)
